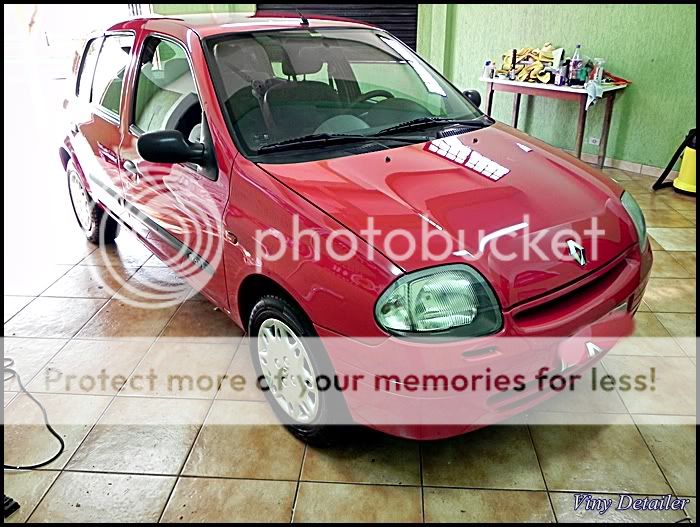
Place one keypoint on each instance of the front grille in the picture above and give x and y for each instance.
(576, 300)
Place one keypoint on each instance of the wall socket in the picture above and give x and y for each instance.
(593, 141)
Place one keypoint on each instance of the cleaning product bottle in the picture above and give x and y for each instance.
(575, 66)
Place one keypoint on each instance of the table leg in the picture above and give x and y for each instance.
(607, 117)
(516, 109)
(489, 98)
(581, 128)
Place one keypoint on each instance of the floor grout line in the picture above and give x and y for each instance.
(544, 478)
(206, 415)
(296, 491)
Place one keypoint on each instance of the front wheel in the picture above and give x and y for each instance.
(97, 225)
(289, 361)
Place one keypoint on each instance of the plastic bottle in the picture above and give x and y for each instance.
(575, 66)
(488, 70)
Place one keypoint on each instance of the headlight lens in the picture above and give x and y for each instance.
(452, 300)
(632, 208)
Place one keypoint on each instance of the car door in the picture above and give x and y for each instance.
(180, 205)
(95, 129)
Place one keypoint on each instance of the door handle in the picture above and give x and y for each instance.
(132, 169)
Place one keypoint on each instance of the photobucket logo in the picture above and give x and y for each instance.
(431, 243)
(185, 226)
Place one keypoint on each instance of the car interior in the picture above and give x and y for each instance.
(166, 97)
(284, 89)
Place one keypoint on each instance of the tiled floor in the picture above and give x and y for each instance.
(161, 466)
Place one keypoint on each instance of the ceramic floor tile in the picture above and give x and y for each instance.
(13, 304)
(674, 239)
(494, 457)
(674, 448)
(241, 382)
(202, 322)
(690, 510)
(584, 398)
(683, 328)
(690, 215)
(90, 367)
(27, 488)
(230, 500)
(84, 497)
(53, 317)
(648, 201)
(655, 246)
(666, 218)
(120, 320)
(32, 278)
(327, 502)
(608, 458)
(620, 510)
(154, 261)
(680, 202)
(29, 356)
(671, 295)
(650, 338)
(150, 436)
(667, 266)
(8, 396)
(154, 285)
(227, 448)
(371, 458)
(90, 281)
(126, 252)
(181, 369)
(486, 506)
(673, 391)
(68, 251)
(26, 439)
(687, 260)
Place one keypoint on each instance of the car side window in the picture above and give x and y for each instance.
(166, 96)
(110, 71)
(87, 69)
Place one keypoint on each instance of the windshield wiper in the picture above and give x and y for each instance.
(425, 122)
(314, 140)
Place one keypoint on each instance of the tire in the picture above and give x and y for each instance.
(331, 404)
(96, 223)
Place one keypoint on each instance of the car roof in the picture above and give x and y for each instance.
(212, 24)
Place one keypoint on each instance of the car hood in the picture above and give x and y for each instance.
(545, 198)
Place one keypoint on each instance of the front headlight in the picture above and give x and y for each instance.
(632, 208)
(452, 300)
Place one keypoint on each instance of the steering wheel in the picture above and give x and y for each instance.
(371, 95)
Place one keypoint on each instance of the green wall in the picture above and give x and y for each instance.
(651, 45)
(654, 46)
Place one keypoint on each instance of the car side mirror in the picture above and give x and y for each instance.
(474, 96)
(169, 146)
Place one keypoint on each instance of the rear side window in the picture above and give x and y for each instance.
(166, 97)
(87, 69)
(110, 71)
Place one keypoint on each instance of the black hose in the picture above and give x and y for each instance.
(9, 373)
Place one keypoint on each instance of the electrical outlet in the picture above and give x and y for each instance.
(593, 141)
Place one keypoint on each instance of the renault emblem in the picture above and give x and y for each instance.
(577, 252)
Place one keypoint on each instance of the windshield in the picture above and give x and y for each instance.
(278, 86)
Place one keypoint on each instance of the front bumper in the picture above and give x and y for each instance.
(551, 332)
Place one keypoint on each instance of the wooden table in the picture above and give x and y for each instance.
(565, 93)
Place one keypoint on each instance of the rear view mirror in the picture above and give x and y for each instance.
(169, 146)
(474, 96)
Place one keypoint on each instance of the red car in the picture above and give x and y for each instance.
(316, 178)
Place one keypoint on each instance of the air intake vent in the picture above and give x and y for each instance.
(453, 131)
